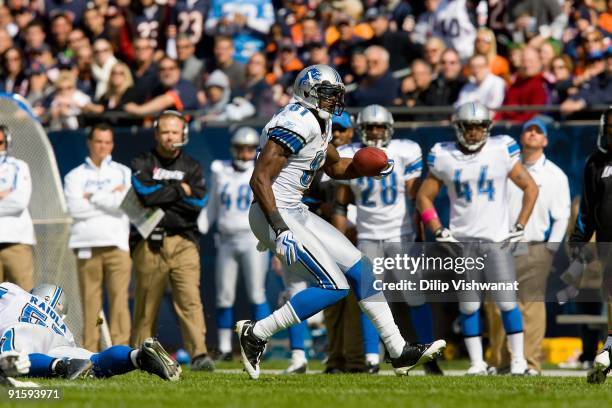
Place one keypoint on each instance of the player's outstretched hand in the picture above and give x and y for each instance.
(448, 242)
(287, 247)
(387, 170)
(13, 364)
(517, 233)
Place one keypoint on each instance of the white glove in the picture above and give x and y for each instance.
(287, 247)
(387, 170)
(449, 243)
(517, 233)
(13, 364)
(444, 235)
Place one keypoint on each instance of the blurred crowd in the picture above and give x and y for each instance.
(236, 59)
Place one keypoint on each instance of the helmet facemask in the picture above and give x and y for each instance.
(240, 163)
(463, 127)
(376, 134)
(330, 97)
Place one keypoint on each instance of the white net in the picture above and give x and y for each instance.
(54, 262)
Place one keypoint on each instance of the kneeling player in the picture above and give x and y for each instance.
(33, 323)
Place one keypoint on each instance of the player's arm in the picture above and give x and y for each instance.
(339, 168)
(425, 197)
(153, 193)
(155, 105)
(523, 180)
(412, 188)
(269, 164)
(17, 198)
(342, 198)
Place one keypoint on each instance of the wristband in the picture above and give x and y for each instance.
(428, 215)
(277, 223)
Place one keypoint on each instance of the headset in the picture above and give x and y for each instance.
(176, 114)
(8, 138)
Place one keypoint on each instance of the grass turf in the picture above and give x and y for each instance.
(236, 390)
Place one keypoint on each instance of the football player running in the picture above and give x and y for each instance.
(33, 323)
(229, 202)
(294, 145)
(384, 225)
(475, 170)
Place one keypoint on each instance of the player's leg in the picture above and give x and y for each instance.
(117, 274)
(151, 274)
(254, 266)
(298, 361)
(602, 364)
(358, 271)
(226, 275)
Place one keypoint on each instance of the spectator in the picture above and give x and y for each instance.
(99, 237)
(397, 43)
(218, 105)
(415, 86)
(150, 20)
(34, 36)
(605, 19)
(76, 40)
(145, 72)
(548, 52)
(529, 88)
(191, 67)
(536, 17)
(224, 61)
(61, 26)
(318, 54)
(39, 88)
(434, 47)
(516, 60)
(172, 93)
(13, 78)
(171, 252)
(68, 102)
(484, 87)
(287, 65)
(6, 41)
(6, 20)
(378, 86)
(359, 67)
(596, 91)
(256, 90)
(72, 10)
(16, 229)
(562, 70)
(93, 22)
(486, 45)
(454, 23)
(104, 59)
(85, 79)
(310, 34)
(341, 50)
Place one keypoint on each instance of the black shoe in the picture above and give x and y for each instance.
(372, 368)
(219, 356)
(416, 354)
(73, 368)
(203, 363)
(333, 370)
(251, 347)
(153, 359)
(432, 368)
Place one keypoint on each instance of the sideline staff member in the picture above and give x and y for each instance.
(168, 178)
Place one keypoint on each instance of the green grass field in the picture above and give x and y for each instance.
(223, 389)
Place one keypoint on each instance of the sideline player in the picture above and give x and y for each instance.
(475, 170)
(229, 202)
(384, 226)
(33, 323)
(295, 144)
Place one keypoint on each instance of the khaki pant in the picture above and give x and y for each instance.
(532, 272)
(112, 266)
(344, 337)
(17, 265)
(178, 261)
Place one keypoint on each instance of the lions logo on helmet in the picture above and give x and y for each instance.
(244, 137)
(375, 126)
(473, 123)
(53, 295)
(320, 87)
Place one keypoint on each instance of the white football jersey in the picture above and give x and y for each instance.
(18, 306)
(477, 186)
(230, 198)
(381, 204)
(296, 128)
(452, 22)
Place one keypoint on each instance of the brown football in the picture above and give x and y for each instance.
(370, 161)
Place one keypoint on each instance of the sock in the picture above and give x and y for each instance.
(470, 324)
(260, 311)
(608, 342)
(517, 347)
(282, 318)
(474, 348)
(422, 321)
(372, 358)
(369, 334)
(513, 321)
(225, 317)
(42, 365)
(225, 340)
(297, 333)
(134, 358)
(377, 310)
(112, 361)
(298, 356)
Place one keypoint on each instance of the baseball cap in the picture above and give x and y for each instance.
(537, 122)
(343, 120)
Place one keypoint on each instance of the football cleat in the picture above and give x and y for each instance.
(224, 356)
(73, 368)
(203, 363)
(432, 368)
(153, 359)
(333, 370)
(416, 354)
(297, 367)
(518, 367)
(601, 367)
(478, 369)
(251, 347)
(372, 368)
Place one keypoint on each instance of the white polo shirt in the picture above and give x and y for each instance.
(15, 221)
(98, 221)
(550, 216)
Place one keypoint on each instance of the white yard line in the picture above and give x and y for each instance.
(450, 373)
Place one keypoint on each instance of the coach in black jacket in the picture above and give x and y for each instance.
(167, 178)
